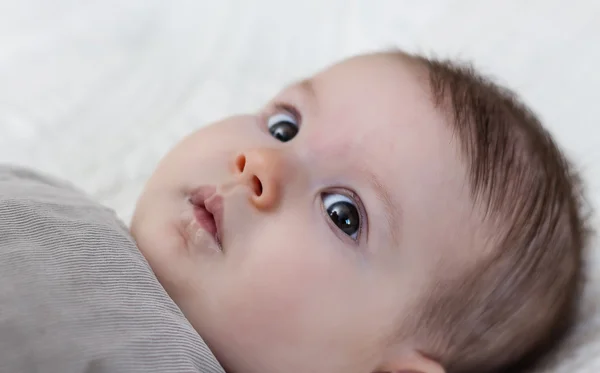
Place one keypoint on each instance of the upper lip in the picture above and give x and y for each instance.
(208, 199)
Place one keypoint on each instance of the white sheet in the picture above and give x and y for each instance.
(97, 91)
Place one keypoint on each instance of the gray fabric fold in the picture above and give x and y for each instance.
(76, 295)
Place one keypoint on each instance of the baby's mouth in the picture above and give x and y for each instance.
(208, 211)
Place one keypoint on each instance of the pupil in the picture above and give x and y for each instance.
(284, 131)
(345, 216)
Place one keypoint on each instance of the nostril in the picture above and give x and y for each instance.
(257, 186)
(240, 163)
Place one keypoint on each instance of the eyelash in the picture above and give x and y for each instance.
(349, 193)
(290, 109)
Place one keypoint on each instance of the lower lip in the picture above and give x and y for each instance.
(206, 221)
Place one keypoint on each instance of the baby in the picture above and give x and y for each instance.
(390, 214)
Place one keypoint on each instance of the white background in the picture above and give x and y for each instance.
(97, 91)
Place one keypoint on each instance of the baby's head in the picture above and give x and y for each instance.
(390, 214)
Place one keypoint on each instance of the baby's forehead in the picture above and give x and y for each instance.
(382, 106)
(376, 79)
(375, 94)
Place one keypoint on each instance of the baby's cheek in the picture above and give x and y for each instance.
(285, 281)
(285, 293)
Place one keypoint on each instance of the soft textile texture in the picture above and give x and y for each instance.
(75, 293)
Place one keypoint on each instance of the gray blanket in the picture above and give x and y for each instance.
(75, 293)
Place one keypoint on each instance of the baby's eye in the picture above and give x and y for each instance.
(283, 126)
(343, 212)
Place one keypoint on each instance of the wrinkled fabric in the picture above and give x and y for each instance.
(76, 295)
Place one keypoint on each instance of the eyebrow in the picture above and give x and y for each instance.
(392, 214)
(307, 86)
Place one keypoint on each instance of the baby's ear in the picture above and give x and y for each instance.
(410, 362)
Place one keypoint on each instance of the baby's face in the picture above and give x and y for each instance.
(334, 209)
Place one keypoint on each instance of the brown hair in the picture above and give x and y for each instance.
(520, 301)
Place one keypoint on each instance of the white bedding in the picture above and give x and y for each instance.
(97, 91)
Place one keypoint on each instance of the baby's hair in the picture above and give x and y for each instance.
(519, 302)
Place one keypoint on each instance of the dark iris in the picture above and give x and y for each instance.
(345, 216)
(284, 131)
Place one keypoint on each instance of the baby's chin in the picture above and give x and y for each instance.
(160, 244)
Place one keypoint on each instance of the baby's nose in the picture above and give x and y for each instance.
(261, 170)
